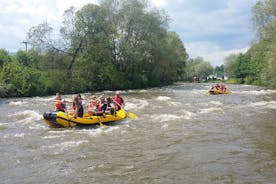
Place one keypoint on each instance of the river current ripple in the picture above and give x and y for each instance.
(181, 135)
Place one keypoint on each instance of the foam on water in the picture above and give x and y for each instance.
(165, 126)
(98, 131)
(16, 135)
(93, 132)
(26, 116)
(183, 114)
(176, 104)
(197, 91)
(143, 91)
(212, 109)
(17, 103)
(110, 129)
(52, 136)
(271, 104)
(163, 98)
(269, 91)
(166, 117)
(63, 132)
(57, 134)
(109, 92)
(216, 102)
(20, 135)
(257, 92)
(62, 146)
(138, 104)
(130, 105)
(44, 99)
(187, 114)
(38, 126)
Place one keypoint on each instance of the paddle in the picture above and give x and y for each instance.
(129, 114)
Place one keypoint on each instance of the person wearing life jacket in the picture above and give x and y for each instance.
(212, 88)
(118, 101)
(101, 107)
(217, 87)
(59, 103)
(222, 87)
(92, 107)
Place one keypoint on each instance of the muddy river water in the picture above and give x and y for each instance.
(181, 135)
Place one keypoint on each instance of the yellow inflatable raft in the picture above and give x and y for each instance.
(61, 119)
(219, 92)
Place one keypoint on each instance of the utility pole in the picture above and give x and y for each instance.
(26, 45)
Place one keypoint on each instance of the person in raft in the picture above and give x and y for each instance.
(60, 103)
(222, 87)
(110, 106)
(81, 100)
(92, 107)
(77, 108)
(118, 101)
(101, 107)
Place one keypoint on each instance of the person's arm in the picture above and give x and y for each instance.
(75, 113)
(66, 101)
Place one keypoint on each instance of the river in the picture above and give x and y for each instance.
(181, 135)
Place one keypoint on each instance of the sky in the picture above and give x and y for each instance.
(211, 29)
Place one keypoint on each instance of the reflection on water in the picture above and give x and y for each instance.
(181, 135)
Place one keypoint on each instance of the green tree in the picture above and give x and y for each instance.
(230, 65)
(20, 80)
(96, 55)
(71, 41)
(219, 71)
(264, 21)
(198, 68)
(23, 58)
(180, 55)
(4, 57)
(114, 45)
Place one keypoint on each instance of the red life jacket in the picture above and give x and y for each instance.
(118, 99)
(59, 106)
(93, 104)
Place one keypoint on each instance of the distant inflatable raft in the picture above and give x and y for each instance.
(219, 92)
(60, 119)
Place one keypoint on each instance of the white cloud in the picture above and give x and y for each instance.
(210, 29)
(159, 3)
(17, 17)
(211, 52)
(64, 5)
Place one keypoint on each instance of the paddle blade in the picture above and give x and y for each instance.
(132, 115)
